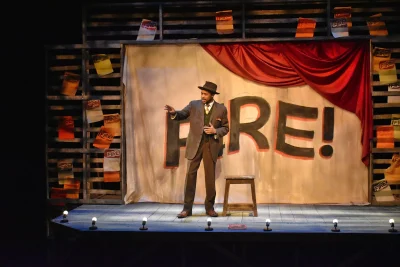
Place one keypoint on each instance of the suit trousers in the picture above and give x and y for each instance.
(203, 153)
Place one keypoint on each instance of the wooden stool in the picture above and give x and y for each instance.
(242, 179)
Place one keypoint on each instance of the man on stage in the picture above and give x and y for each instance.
(208, 125)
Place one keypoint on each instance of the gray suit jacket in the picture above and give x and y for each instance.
(195, 112)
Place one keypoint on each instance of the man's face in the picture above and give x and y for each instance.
(206, 97)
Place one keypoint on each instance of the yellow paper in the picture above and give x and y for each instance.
(65, 171)
(387, 71)
(103, 65)
(378, 55)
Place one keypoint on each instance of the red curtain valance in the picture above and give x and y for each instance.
(337, 70)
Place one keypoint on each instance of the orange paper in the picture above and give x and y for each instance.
(224, 22)
(305, 28)
(104, 138)
(66, 128)
(70, 83)
(113, 122)
(376, 26)
(385, 136)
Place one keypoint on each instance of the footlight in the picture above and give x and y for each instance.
(143, 227)
(335, 228)
(267, 223)
(392, 229)
(64, 219)
(209, 228)
(93, 227)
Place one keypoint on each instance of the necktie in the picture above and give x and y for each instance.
(207, 108)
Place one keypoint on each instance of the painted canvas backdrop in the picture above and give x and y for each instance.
(155, 75)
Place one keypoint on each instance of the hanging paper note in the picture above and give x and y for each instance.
(65, 128)
(104, 138)
(305, 28)
(339, 28)
(103, 65)
(94, 113)
(111, 165)
(113, 121)
(385, 136)
(395, 122)
(147, 30)
(376, 26)
(343, 12)
(65, 171)
(378, 55)
(382, 191)
(70, 83)
(394, 87)
(387, 71)
(224, 22)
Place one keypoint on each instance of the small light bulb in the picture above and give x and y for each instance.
(391, 221)
(94, 219)
(209, 220)
(144, 219)
(268, 221)
(335, 221)
(65, 212)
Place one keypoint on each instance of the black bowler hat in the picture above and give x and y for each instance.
(210, 87)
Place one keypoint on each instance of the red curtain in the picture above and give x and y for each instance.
(337, 70)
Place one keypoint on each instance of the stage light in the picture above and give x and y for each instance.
(335, 223)
(267, 223)
(392, 230)
(64, 219)
(209, 228)
(93, 227)
(143, 227)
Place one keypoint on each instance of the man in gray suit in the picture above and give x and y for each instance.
(208, 125)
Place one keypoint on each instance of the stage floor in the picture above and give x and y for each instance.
(301, 236)
(284, 218)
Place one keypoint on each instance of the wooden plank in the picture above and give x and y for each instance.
(104, 107)
(104, 191)
(86, 201)
(386, 105)
(75, 140)
(386, 150)
(383, 117)
(80, 97)
(79, 170)
(382, 161)
(75, 150)
(386, 93)
(112, 75)
(80, 160)
(93, 88)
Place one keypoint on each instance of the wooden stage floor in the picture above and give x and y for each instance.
(284, 218)
(301, 236)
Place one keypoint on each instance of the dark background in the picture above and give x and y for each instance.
(27, 28)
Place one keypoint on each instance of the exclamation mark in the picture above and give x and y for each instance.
(328, 119)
